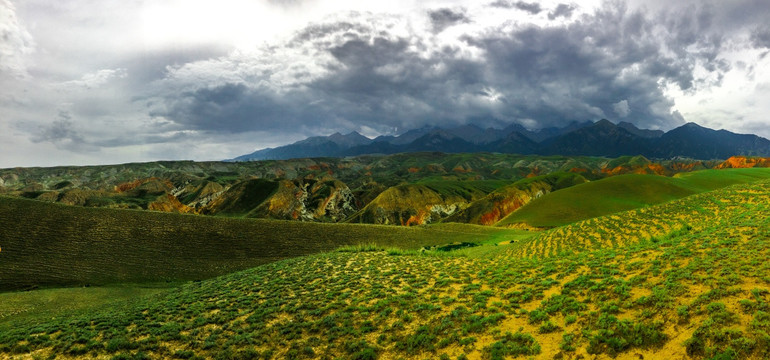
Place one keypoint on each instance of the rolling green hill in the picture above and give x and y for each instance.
(623, 192)
(697, 287)
(47, 245)
(505, 200)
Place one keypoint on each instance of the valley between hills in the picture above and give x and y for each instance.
(412, 255)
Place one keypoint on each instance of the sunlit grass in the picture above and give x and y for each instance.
(684, 279)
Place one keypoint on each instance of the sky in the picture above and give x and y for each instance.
(106, 81)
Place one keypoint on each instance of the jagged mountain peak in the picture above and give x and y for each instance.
(604, 123)
(692, 125)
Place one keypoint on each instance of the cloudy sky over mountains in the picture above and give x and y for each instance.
(90, 82)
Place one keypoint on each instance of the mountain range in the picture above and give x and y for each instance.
(601, 138)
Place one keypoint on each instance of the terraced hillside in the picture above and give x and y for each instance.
(53, 245)
(685, 279)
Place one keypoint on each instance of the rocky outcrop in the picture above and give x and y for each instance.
(338, 205)
(299, 199)
(169, 203)
(198, 195)
(310, 200)
(641, 165)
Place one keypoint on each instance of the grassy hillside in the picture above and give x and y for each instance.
(505, 200)
(243, 197)
(46, 304)
(706, 180)
(698, 288)
(51, 245)
(423, 202)
(727, 208)
(468, 190)
(624, 192)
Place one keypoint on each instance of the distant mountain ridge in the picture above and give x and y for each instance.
(601, 138)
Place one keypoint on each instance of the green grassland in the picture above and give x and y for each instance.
(683, 279)
(46, 304)
(47, 245)
(624, 192)
(706, 180)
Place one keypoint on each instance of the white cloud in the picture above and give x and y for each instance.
(96, 79)
(621, 108)
(16, 43)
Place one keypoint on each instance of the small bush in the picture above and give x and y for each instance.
(537, 316)
(512, 344)
(548, 327)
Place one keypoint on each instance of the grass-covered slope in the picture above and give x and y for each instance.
(698, 291)
(503, 201)
(242, 198)
(725, 207)
(46, 304)
(707, 180)
(423, 202)
(624, 192)
(44, 244)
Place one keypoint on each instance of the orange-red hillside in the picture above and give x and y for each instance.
(737, 162)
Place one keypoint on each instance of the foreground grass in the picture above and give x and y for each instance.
(695, 291)
(49, 245)
(624, 192)
(47, 304)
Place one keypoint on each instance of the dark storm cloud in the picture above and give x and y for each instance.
(610, 64)
(444, 18)
(384, 81)
(760, 37)
(532, 8)
(362, 89)
(581, 70)
(235, 107)
(562, 10)
(62, 133)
